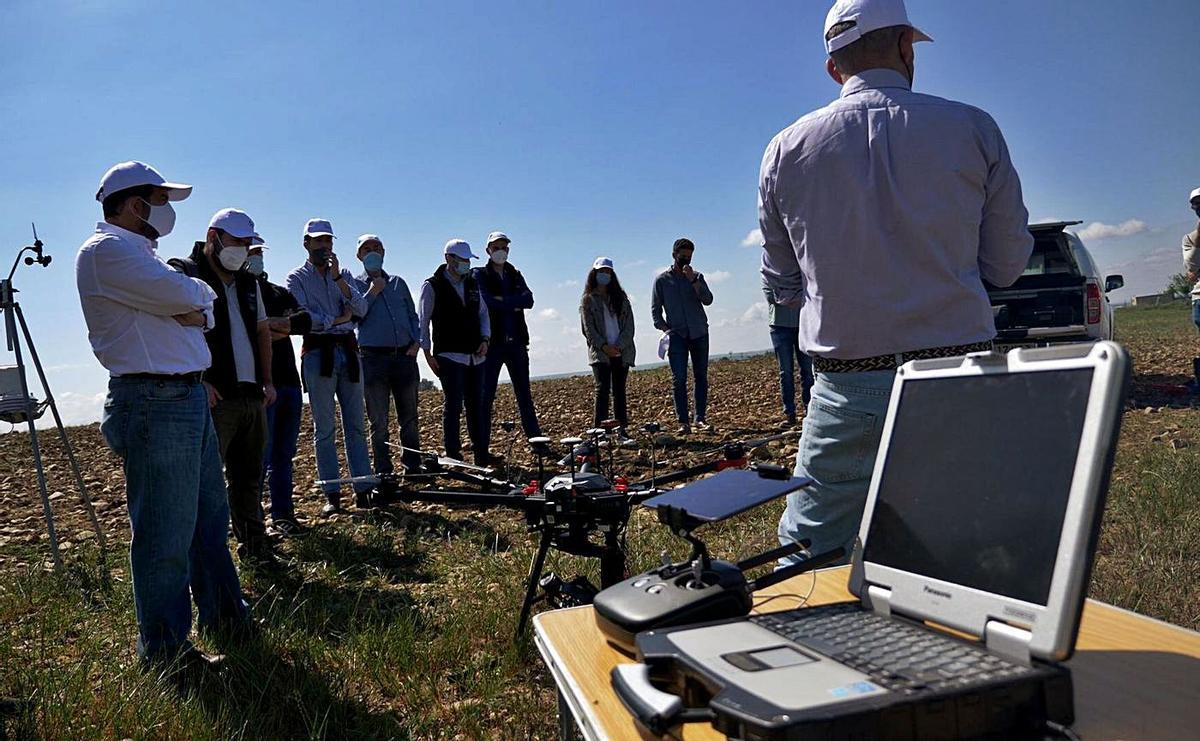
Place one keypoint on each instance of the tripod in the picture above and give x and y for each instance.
(27, 409)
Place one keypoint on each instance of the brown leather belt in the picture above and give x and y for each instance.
(895, 360)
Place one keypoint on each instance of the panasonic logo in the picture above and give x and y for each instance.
(930, 590)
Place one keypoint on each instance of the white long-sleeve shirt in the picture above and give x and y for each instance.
(129, 297)
(1191, 260)
(883, 212)
(425, 316)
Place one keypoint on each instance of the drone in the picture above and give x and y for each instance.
(583, 511)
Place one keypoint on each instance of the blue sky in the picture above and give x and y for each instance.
(581, 129)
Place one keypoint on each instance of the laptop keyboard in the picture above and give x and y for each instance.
(897, 655)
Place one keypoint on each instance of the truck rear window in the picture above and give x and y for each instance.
(1049, 258)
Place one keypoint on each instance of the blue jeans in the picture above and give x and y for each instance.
(283, 434)
(516, 357)
(462, 386)
(178, 512)
(677, 354)
(1196, 313)
(786, 341)
(386, 377)
(838, 443)
(321, 393)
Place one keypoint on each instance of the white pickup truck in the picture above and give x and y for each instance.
(1060, 296)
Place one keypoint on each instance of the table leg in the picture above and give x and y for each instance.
(568, 729)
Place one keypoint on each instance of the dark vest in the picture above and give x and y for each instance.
(455, 321)
(222, 374)
(492, 285)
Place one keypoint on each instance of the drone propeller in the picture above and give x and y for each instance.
(445, 461)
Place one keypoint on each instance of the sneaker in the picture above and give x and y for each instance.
(703, 426)
(331, 508)
(257, 555)
(286, 527)
(684, 429)
(623, 438)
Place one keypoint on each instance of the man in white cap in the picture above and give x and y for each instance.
(881, 214)
(329, 361)
(239, 380)
(389, 338)
(508, 297)
(1191, 263)
(455, 332)
(146, 326)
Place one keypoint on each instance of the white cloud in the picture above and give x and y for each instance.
(753, 239)
(570, 284)
(755, 313)
(549, 314)
(718, 276)
(1098, 230)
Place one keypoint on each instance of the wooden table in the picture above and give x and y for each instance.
(1135, 677)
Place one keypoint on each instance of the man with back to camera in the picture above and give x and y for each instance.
(286, 318)
(455, 334)
(389, 339)
(1191, 262)
(677, 302)
(508, 297)
(881, 215)
(146, 325)
(329, 361)
(239, 380)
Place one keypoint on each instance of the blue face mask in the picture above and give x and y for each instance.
(373, 262)
(254, 265)
(603, 279)
(462, 267)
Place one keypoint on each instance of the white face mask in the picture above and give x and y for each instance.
(499, 256)
(232, 258)
(162, 218)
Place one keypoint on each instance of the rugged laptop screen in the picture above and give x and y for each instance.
(977, 477)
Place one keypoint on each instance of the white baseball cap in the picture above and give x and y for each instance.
(867, 16)
(459, 248)
(363, 238)
(318, 228)
(236, 223)
(131, 174)
(497, 236)
(602, 262)
(1195, 194)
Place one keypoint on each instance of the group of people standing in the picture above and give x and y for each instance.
(205, 395)
(881, 216)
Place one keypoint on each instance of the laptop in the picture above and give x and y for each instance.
(970, 567)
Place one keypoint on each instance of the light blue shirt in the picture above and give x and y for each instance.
(883, 212)
(391, 318)
(322, 298)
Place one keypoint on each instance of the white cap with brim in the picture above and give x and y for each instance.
(497, 236)
(235, 223)
(364, 238)
(602, 262)
(1195, 194)
(459, 248)
(318, 228)
(867, 16)
(132, 174)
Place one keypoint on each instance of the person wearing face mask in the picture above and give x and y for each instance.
(285, 318)
(329, 362)
(607, 321)
(677, 306)
(508, 298)
(455, 334)
(1191, 263)
(239, 381)
(146, 325)
(389, 338)
(882, 214)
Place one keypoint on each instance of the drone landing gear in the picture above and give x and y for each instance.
(578, 590)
